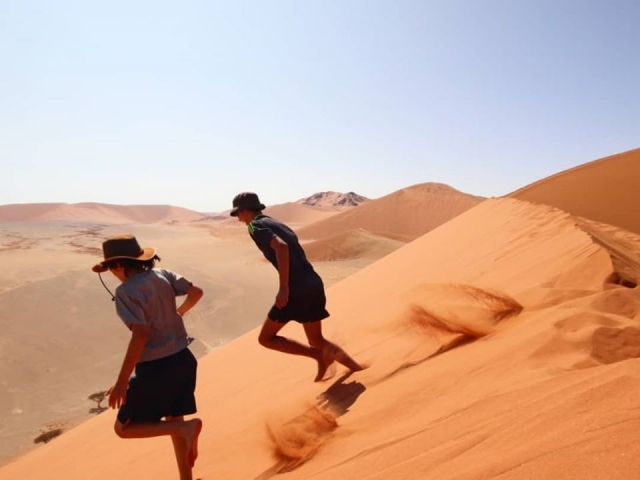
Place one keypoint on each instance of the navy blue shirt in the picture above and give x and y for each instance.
(301, 273)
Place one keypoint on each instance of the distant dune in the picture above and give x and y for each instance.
(604, 190)
(96, 212)
(296, 213)
(407, 213)
(350, 245)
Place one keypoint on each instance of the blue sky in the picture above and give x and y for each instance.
(187, 103)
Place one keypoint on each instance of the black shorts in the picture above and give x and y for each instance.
(303, 307)
(161, 388)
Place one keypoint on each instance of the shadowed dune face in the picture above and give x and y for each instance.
(612, 345)
(349, 245)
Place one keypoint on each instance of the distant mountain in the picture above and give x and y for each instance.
(333, 200)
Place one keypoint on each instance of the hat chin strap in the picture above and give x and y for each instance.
(113, 299)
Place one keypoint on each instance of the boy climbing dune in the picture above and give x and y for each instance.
(301, 294)
(165, 369)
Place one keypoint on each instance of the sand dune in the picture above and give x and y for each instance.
(402, 215)
(604, 190)
(350, 245)
(498, 347)
(293, 214)
(96, 213)
(296, 214)
(502, 344)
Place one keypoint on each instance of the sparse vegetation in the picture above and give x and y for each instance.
(98, 397)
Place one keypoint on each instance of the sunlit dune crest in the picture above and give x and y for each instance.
(604, 190)
(406, 213)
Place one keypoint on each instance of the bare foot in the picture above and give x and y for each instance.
(342, 357)
(327, 358)
(195, 428)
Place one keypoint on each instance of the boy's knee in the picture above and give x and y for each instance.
(264, 340)
(319, 343)
(119, 428)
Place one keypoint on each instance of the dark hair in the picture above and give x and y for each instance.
(131, 266)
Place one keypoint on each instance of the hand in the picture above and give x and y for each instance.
(117, 394)
(282, 298)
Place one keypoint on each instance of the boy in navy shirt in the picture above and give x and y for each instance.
(301, 294)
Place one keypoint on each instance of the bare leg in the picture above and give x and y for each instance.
(183, 434)
(270, 339)
(330, 350)
(186, 449)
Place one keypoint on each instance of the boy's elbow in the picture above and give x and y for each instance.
(196, 292)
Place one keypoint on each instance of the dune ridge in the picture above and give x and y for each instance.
(603, 190)
(407, 213)
(96, 212)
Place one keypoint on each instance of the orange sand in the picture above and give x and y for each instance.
(503, 344)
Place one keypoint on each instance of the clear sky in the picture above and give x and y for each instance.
(187, 103)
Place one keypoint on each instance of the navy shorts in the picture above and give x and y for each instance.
(303, 307)
(161, 388)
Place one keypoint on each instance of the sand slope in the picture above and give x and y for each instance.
(297, 214)
(499, 347)
(96, 212)
(60, 339)
(604, 190)
(350, 245)
(402, 215)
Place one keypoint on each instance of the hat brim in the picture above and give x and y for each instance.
(147, 254)
(235, 210)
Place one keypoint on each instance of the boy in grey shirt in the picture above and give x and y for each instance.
(165, 370)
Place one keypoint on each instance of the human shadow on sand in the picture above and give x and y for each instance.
(298, 440)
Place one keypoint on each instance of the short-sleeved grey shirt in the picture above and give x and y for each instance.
(150, 298)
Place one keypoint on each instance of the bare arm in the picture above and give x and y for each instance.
(139, 336)
(194, 294)
(282, 257)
